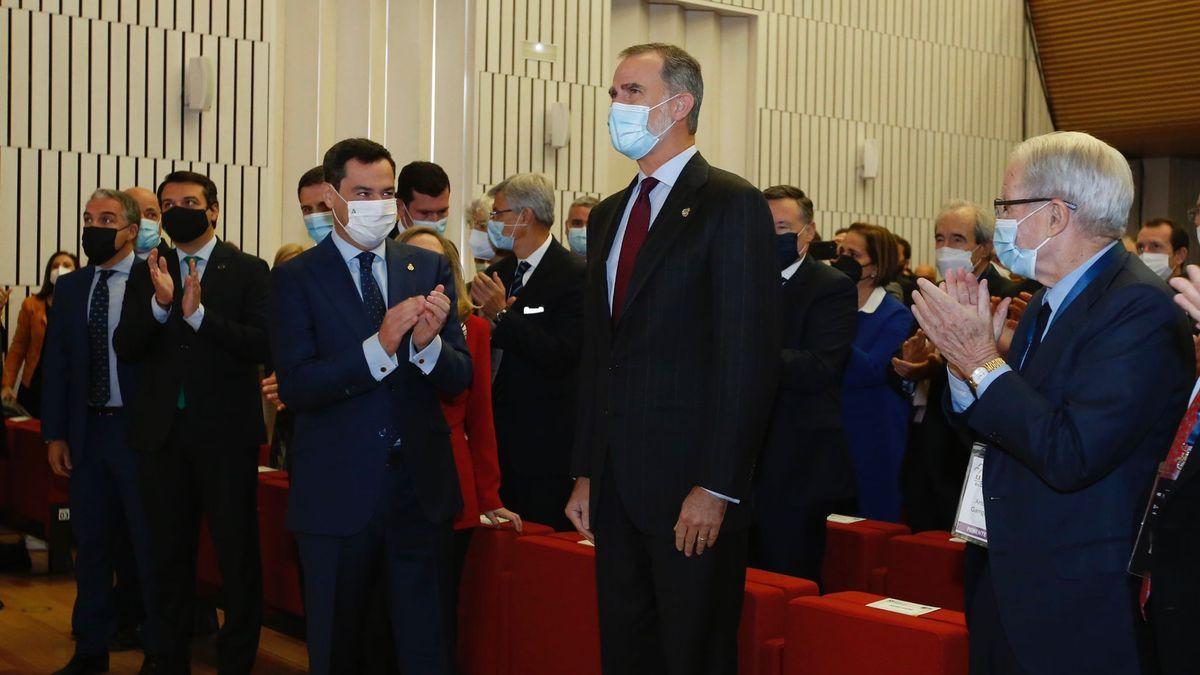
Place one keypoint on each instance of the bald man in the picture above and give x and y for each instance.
(150, 229)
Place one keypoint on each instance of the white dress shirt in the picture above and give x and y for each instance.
(380, 362)
(790, 271)
(533, 260)
(116, 299)
(667, 175)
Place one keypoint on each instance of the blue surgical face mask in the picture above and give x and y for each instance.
(629, 127)
(319, 225)
(577, 238)
(498, 239)
(438, 225)
(148, 236)
(1020, 261)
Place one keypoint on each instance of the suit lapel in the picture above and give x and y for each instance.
(610, 234)
(399, 268)
(216, 268)
(1064, 326)
(544, 269)
(333, 278)
(672, 218)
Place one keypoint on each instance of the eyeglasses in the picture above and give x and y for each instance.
(1001, 205)
(493, 214)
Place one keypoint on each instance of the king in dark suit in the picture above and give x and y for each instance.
(805, 472)
(195, 320)
(679, 365)
(85, 421)
(1074, 421)
(374, 490)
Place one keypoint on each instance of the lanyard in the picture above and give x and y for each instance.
(1088, 277)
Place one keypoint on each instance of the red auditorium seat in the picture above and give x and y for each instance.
(852, 551)
(554, 623)
(39, 499)
(483, 608)
(926, 568)
(839, 634)
(280, 558)
(761, 631)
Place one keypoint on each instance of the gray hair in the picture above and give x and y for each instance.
(1083, 170)
(680, 71)
(985, 219)
(481, 204)
(586, 201)
(532, 191)
(129, 206)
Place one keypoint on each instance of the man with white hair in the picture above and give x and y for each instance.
(1071, 425)
(963, 235)
(534, 299)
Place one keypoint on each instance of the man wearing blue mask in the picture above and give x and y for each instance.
(423, 189)
(534, 299)
(577, 219)
(318, 217)
(680, 361)
(149, 236)
(1071, 425)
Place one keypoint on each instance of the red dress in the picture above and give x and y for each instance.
(471, 431)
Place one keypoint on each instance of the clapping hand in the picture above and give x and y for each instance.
(1189, 292)
(432, 319)
(959, 320)
(270, 390)
(160, 276)
(191, 290)
(489, 295)
(917, 357)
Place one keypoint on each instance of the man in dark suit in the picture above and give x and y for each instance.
(680, 359)
(84, 423)
(200, 336)
(534, 299)
(805, 472)
(373, 484)
(1074, 421)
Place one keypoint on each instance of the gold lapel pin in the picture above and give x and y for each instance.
(411, 267)
(686, 212)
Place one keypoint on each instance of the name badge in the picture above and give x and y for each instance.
(970, 521)
(534, 310)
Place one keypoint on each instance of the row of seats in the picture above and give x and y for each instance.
(529, 602)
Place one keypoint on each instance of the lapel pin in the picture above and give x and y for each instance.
(686, 212)
(411, 267)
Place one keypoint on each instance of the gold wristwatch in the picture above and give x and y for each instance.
(978, 375)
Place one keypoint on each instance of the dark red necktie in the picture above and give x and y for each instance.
(635, 236)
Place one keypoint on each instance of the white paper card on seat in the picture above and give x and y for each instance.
(585, 542)
(844, 520)
(265, 469)
(970, 522)
(534, 310)
(902, 607)
(483, 520)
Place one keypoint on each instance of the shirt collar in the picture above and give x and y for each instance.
(536, 257)
(873, 301)
(790, 270)
(350, 252)
(202, 255)
(1059, 292)
(668, 173)
(122, 267)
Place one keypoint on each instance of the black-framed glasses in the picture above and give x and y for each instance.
(1001, 205)
(493, 214)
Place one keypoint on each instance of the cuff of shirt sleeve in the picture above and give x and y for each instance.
(196, 318)
(961, 396)
(427, 358)
(378, 360)
(160, 314)
(718, 495)
(991, 377)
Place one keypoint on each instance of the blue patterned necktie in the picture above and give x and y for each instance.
(518, 281)
(98, 342)
(371, 295)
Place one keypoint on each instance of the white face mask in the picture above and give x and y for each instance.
(370, 220)
(953, 259)
(58, 272)
(1159, 263)
(481, 246)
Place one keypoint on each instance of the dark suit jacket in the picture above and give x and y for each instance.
(533, 395)
(1075, 440)
(677, 394)
(806, 459)
(998, 286)
(66, 362)
(347, 423)
(216, 366)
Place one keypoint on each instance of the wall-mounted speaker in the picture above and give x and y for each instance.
(200, 84)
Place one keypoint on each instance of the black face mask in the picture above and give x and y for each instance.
(183, 224)
(99, 244)
(848, 266)
(785, 249)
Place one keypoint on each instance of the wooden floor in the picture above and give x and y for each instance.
(35, 632)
